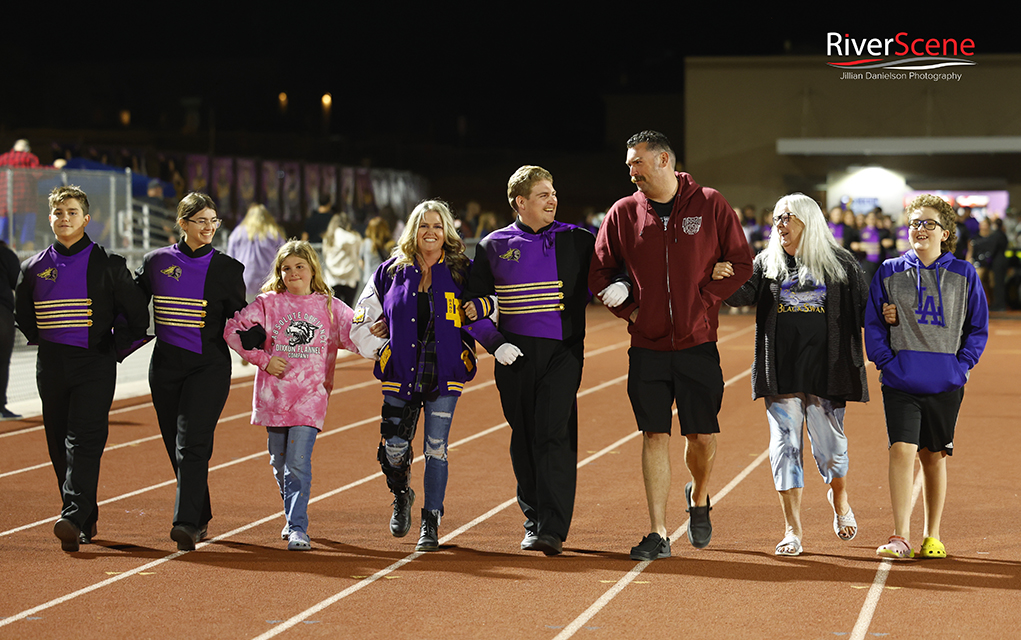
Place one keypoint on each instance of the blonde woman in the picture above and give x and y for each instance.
(254, 243)
(414, 300)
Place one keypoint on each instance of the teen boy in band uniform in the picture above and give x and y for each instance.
(68, 299)
(536, 268)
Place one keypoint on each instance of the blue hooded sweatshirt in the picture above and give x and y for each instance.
(943, 323)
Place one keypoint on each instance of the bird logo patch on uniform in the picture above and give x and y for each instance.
(49, 274)
(173, 271)
(691, 225)
(301, 332)
(512, 254)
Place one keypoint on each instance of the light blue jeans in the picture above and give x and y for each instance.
(825, 421)
(438, 415)
(290, 454)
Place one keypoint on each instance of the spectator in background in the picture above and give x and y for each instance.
(316, 224)
(9, 269)
(851, 234)
(989, 253)
(341, 247)
(972, 223)
(837, 226)
(376, 248)
(487, 223)
(870, 245)
(254, 243)
(22, 195)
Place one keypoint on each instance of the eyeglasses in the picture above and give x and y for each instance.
(783, 218)
(205, 222)
(928, 225)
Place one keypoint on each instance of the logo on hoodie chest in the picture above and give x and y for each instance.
(927, 311)
(691, 226)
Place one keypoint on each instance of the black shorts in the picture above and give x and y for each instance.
(691, 377)
(925, 420)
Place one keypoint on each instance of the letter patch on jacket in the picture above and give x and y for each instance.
(454, 311)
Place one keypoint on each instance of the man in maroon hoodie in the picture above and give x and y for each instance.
(653, 265)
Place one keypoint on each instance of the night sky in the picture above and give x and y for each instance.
(519, 78)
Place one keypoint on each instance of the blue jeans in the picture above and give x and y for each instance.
(290, 454)
(439, 413)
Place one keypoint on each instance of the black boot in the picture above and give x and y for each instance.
(430, 538)
(400, 522)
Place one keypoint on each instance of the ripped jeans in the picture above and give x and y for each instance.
(438, 415)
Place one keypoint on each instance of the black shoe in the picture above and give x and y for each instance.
(700, 529)
(528, 543)
(86, 538)
(430, 538)
(186, 536)
(68, 533)
(400, 521)
(548, 544)
(7, 414)
(652, 547)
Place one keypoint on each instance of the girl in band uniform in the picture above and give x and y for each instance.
(194, 288)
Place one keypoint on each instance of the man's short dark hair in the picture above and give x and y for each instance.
(325, 199)
(654, 141)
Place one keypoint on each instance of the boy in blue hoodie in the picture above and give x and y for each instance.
(926, 324)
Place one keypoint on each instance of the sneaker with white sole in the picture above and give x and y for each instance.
(298, 541)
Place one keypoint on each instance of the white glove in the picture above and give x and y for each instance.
(507, 353)
(615, 294)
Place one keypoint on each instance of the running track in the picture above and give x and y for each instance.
(359, 582)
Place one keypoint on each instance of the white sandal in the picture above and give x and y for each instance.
(841, 522)
(789, 546)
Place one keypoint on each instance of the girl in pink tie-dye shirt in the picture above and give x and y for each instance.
(292, 332)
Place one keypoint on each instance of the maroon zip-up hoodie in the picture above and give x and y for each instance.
(671, 268)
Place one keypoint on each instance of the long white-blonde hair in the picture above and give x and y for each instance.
(816, 255)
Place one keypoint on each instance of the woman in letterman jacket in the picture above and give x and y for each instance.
(414, 299)
(194, 289)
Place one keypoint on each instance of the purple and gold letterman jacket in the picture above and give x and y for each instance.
(80, 297)
(539, 279)
(393, 295)
(193, 294)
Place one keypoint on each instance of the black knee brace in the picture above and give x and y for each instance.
(407, 420)
(397, 478)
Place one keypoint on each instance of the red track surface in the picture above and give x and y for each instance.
(360, 582)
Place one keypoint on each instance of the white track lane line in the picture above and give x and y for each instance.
(56, 601)
(612, 592)
(868, 609)
(237, 416)
(28, 612)
(304, 615)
